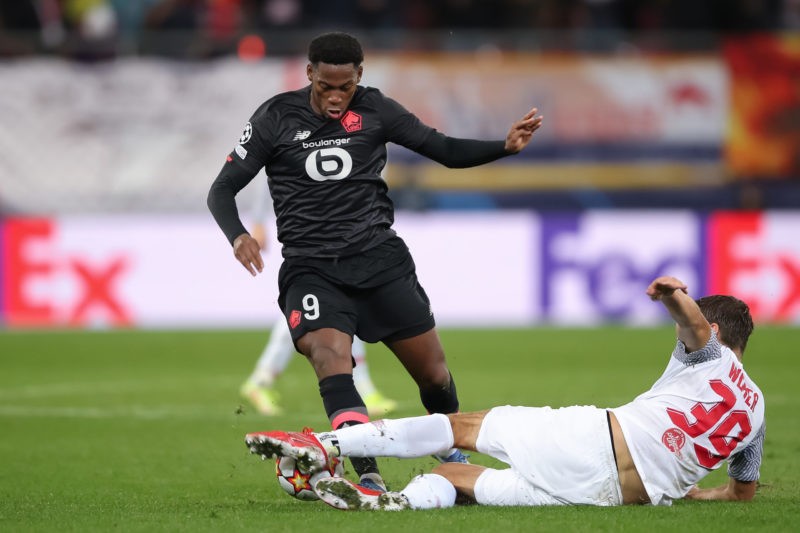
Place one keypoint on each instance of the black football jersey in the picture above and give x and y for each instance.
(324, 175)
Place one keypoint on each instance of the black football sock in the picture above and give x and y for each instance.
(440, 399)
(345, 407)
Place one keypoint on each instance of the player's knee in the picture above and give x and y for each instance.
(435, 376)
(327, 360)
(439, 396)
(326, 347)
(328, 363)
(462, 477)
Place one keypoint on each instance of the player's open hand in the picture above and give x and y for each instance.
(522, 130)
(248, 252)
(665, 286)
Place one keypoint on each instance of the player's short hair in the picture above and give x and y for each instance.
(732, 316)
(335, 48)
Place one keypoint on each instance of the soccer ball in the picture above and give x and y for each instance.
(301, 484)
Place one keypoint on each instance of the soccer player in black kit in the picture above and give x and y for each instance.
(345, 271)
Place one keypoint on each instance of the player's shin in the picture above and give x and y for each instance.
(404, 437)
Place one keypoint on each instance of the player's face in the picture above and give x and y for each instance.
(332, 88)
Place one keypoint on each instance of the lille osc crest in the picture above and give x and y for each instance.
(351, 122)
(294, 319)
(673, 439)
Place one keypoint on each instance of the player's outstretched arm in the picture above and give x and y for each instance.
(693, 328)
(522, 131)
(733, 491)
(454, 152)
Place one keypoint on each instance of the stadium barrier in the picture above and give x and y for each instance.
(142, 134)
(498, 269)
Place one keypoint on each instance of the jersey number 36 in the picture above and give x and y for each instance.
(720, 420)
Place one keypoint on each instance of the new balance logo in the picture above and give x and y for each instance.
(301, 135)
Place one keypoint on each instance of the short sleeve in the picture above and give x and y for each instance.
(712, 350)
(256, 143)
(745, 465)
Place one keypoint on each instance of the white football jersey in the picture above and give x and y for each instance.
(703, 410)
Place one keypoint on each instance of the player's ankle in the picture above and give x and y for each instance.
(330, 443)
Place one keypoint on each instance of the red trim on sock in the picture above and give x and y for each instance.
(348, 416)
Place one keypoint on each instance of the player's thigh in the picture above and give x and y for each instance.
(312, 303)
(489, 486)
(423, 358)
(508, 487)
(466, 428)
(565, 453)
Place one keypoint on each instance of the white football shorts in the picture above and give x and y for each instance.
(557, 457)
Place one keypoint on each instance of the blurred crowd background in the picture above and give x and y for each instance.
(99, 29)
(648, 103)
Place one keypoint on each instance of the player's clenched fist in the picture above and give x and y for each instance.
(664, 286)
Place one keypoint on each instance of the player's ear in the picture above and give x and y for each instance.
(360, 72)
(309, 71)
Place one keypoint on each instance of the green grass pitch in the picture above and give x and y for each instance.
(143, 431)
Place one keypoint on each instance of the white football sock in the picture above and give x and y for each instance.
(403, 437)
(361, 377)
(430, 491)
(276, 355)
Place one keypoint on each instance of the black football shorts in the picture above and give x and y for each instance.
(396, 309)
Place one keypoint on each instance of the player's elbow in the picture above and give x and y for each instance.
(210, 200)
(216, 193)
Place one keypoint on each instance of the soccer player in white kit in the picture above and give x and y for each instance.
(702, 411)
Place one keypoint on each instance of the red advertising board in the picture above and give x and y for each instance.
(763, 138)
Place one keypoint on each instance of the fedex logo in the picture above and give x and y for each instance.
(43, 285)
(756, 256)
(596, 266)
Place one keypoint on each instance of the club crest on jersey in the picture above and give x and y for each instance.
(246, 134)
(351, 122)
(673, 439)
(301, 135)
(294, 318)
